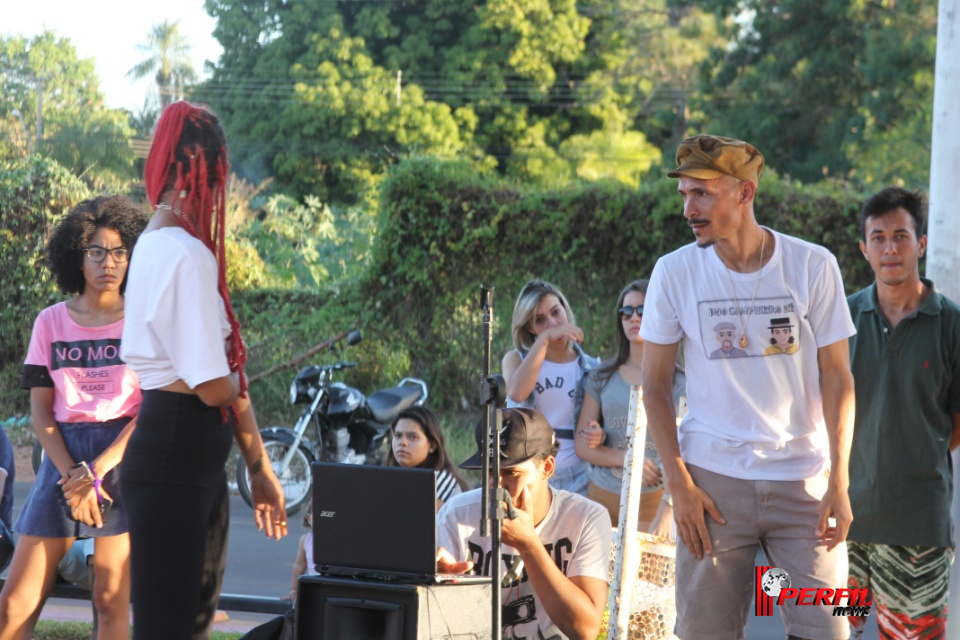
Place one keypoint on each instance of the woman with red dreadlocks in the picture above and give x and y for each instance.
(182, 339)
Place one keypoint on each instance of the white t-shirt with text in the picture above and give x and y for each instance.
(575, 532)
(756, 412)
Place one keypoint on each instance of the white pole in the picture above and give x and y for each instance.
(626, 560)
(943, 254)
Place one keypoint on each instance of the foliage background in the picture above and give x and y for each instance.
(34, 194)
(391, 157)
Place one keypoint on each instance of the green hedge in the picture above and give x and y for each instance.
(34, 194)
(444, 229)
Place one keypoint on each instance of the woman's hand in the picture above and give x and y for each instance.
(84, 505)
(561, 333)
(652, 476)
(591, 434)
(269, 512)
(76, 478)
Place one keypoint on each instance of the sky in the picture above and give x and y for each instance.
(108, 31)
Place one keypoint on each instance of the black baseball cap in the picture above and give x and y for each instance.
(525, 434)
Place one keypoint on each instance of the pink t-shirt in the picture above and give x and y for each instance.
(90, 381)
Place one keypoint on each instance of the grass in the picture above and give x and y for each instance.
(55, 630)
(460, 444)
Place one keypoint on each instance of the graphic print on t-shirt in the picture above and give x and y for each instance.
(519, 614)
(770, 325)
(87, 362)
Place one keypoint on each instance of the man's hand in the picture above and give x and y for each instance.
(835, 504)
(446, 563)
(268, 504)
(520, 532)
(591, 434)
(689, 504)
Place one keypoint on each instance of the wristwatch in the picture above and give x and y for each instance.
(667, 498)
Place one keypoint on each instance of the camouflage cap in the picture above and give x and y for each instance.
(706, 157)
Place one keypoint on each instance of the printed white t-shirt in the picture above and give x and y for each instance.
(753, 413)
(554, 397)
(176, 323)
(575, 532)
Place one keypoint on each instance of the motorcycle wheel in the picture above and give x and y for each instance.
(37, 456)
(296, 481)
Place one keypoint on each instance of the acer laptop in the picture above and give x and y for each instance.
(377, 523)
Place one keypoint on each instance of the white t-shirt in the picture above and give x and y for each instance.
(554, 397)
(751, 415)
(176, 324)
(576, 533)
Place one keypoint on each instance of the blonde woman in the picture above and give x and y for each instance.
(544, 369)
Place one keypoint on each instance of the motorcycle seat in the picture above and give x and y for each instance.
(387, 403)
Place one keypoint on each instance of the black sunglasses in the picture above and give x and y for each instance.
(627, 311)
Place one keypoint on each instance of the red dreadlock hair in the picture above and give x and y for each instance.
(189, 158)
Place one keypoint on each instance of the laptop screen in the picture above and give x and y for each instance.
(371, 521)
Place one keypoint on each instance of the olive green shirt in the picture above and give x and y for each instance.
(907, 388)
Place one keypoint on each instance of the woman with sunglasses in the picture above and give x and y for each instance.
(83, 405)
(606, 402)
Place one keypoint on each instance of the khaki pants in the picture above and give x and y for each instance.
(714, 594)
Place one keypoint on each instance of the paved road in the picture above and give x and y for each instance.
(261, 567)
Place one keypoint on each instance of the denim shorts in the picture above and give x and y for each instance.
(573, 479)
(46, 513)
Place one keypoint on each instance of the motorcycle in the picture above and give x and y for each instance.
(349, 427)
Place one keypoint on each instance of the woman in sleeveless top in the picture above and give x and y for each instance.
(544, 371)
(602, 428)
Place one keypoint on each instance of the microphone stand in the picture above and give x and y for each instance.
(493, 398)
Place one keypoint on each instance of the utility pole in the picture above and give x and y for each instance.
(41, 85)
(943, 228)
(16, 112)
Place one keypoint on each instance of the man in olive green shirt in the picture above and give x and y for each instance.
(905, 359)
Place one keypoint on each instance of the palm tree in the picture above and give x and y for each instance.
(168, 56)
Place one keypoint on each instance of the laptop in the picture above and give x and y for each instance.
(377, 523)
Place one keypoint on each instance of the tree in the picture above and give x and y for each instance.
(34, 193)
(58, 98)
(830, 88)
(325, 96)
(168, 60)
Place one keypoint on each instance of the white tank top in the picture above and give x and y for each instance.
(554, 398)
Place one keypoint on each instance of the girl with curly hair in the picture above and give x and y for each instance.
(183, 340)
(416, 440)
(83, 405)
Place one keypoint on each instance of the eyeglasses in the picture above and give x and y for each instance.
(626, 312)
(99, 254)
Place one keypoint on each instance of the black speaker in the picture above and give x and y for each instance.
(348, 609)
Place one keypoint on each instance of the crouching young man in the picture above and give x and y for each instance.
(556, 552)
